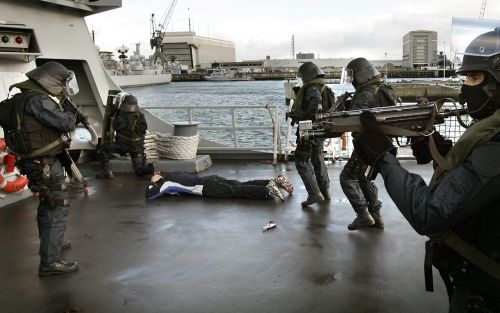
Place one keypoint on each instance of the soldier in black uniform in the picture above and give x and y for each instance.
(309, 158)
(459, 209)
(360, 190)
(124, 130)
(40, 144)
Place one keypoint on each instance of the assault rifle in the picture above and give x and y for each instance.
(73, 108)
(67, 160)
(397, 121)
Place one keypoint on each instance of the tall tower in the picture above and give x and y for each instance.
(293, 47)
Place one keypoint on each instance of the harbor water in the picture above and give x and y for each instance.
(232, 93)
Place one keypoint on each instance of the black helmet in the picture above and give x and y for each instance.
(483, 54)
(53, 77)
(129, 104)
(309, 70)
(360, 71)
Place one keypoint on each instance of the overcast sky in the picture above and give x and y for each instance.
(328, 28)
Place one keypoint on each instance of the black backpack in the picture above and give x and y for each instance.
(11, 118)
(385, 96)
(328, 97)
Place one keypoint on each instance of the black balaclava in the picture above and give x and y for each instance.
(479, 104)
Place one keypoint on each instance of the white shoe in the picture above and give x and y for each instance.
(273, 190)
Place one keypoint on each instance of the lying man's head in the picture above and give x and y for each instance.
(156, 178)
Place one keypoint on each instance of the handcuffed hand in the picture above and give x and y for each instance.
(372, 144)
(421, 151)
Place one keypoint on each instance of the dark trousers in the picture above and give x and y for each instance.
(359, 190)
(135, 149)
(310, 163)
(215, 186)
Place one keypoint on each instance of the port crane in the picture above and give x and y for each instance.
(157, 33)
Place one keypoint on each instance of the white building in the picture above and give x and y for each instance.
(196, 51)
(420, 49)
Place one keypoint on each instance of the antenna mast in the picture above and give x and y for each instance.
(293, 47)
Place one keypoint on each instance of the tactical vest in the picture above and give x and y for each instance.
(130, 126)
(297, 112)
(30, 138)
(383, 94)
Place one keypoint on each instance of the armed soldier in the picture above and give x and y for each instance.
(361, 190)
(40, 140)
(309, 159)
(459, 208)
(124, 117)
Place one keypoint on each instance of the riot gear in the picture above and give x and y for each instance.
(124, 133)
(360, 71)
(309, 70)
(54, 78)
(482, 55)
(129, 104)
(39, 141)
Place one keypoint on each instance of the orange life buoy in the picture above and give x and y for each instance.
(9, 161)
(13, 186)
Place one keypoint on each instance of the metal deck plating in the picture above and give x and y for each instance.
(208, 255)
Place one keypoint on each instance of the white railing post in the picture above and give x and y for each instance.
(276, 134)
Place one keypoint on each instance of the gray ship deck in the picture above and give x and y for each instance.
(208, 255)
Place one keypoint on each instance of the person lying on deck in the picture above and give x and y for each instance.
(215, 186)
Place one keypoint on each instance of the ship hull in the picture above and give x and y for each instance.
(141, 80)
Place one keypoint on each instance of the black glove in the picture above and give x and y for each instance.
(420, 147)
(80, 118)
(34, 172)
(371, 144)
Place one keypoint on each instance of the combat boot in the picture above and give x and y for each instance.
(313, 198)
(326, 194)
(106, 168)
(107, 173)
(57, 268)
(145, 170)
(362, 220)
(379, 221)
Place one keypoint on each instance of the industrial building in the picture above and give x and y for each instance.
(198, 52)
(195, 51)
(420, 49)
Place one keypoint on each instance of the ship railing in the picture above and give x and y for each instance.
(273, 113)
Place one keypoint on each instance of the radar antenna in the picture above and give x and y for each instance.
(158, 31)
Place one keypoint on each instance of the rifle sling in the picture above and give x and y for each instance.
(470, 253)
(44, 149)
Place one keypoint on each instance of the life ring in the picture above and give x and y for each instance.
(5, 184)
(13, 186)
(3, 145)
